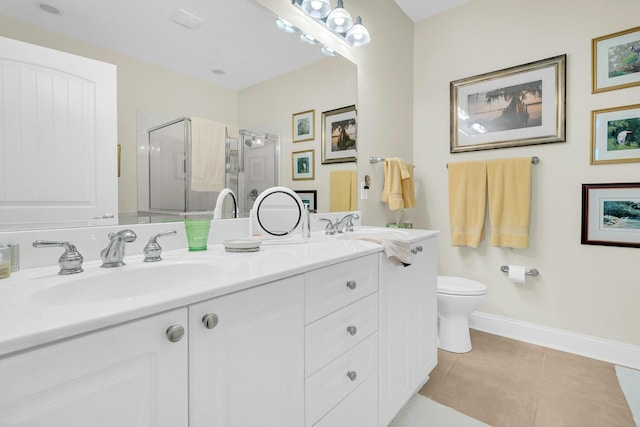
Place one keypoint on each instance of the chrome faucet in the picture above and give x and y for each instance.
(70, 262)
(113, 254)
(153, 250)
(346, 223)
(341, 225)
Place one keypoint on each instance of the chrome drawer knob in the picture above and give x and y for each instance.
(352, 375)
(175, 333)
(210, 321)
(351, 284)
(352, 330)
(419, 248)
(414, 251)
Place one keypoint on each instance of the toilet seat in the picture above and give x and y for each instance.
(452, 285)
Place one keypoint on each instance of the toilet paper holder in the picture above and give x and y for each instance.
(533, 272)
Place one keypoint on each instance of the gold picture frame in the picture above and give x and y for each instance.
(614, 61)
(303, 165)
(303, 126)
(521, 105)
(615, 135)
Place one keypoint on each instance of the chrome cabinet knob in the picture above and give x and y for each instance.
(352, 375)
(414, 251)
(210, 321)
(419, 248)
(352, 330)
(175, 333)
(351, 284)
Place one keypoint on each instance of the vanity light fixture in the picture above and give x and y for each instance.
(358, 34)
(327, 51)
(339, 20)
(309, 39)
(318, 9)
(285, 25)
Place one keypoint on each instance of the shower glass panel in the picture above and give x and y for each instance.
(167, 167)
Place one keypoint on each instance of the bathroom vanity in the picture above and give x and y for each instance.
(325, 333)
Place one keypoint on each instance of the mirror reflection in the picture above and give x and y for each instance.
(221, 71)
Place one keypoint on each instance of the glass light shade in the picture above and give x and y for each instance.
(327, 51)
(358, 34)
(285, 25)
(308, 38)
(339, 20)
(318, 9)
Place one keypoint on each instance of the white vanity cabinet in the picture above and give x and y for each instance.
(246, 360)
(127, 375)
(408, 327)
(341, 344)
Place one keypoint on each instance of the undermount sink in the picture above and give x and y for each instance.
(124, 283)
(376, 233)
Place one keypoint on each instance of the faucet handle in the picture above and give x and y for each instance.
(70, 261)
(329, 228)
(153, 250)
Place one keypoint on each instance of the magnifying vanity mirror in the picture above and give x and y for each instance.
(234, 67)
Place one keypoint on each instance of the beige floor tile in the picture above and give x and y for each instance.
(560, 406)
(445, 361)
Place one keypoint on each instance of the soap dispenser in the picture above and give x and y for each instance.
(5, 261)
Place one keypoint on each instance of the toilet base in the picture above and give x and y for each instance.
(453, 334)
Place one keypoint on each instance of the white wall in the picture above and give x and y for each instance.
(586, 289)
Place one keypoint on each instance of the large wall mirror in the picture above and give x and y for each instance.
(236, 67)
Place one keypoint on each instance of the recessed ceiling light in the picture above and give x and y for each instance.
(186, 19)
(218, 71)
(45, 7)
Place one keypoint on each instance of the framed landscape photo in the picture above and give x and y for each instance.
(303, 126)
(309, 199)
(339, 135)
(302, 165)
(611, 214)
(522, 105)
(615, 60)
(615, 135)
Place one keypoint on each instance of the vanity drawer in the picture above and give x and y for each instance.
(327, 387)
(333, 335)
(359, 409)
(331, 288)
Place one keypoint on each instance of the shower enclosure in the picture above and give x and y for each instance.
(164, 172)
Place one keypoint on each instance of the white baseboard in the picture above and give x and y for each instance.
(584, 345)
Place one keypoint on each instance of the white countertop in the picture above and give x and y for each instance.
(38, 306)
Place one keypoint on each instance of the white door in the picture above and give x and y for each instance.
(247, 366)
(58, 138)
(129, 375)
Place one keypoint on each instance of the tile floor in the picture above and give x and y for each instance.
(509, 383)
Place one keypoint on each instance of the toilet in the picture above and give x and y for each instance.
(457, 298)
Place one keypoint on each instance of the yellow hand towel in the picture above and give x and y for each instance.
(467, 202)
(207, 155)
(408, 191)
(509, 182)
(343, 191)
(392, 191)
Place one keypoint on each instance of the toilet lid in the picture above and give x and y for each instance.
(452, 285)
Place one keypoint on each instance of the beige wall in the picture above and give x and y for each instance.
(140, 84)
(585, 289)
(268, 107)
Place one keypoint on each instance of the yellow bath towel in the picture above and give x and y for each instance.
(398, 189)
(343, 191)
(467, 202)
(207, 155)
(509, 183)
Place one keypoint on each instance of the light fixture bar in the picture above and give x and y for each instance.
(338, 21)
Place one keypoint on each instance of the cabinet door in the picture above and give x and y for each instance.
(129, 375)
(248, 368)
(408, 321)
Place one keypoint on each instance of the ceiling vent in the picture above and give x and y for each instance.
(186, 19)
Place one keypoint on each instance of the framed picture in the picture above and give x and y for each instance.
(615, 135)
(303, 126)
(302, 165)
(614, 60)
(309, 199)
(522, 105)
(611, 214)
(339, 135)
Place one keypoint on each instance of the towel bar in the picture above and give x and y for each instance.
(373, 160)
(534, 160)
(533, 272)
